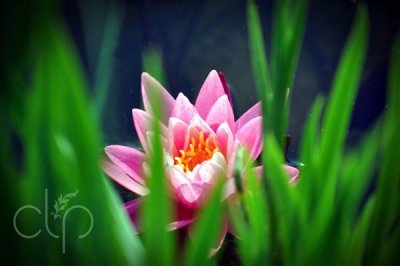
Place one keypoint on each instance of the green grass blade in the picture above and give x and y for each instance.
(62, 147)
(387, 200)
(309, 151)
(206, 230)
(354, 249)
(289, 21)
(343, 92)
(157, 210)
(105, 62)
(248, 212)
(280, 200)
(152, 62)
(258, 58)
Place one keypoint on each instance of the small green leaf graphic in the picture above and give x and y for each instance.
(61, 203)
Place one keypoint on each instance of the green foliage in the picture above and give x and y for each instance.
(248, 213)
(328, 217)
(60, 153)
(152, 62)
(157, 209)
(274, 86)
(206, 230)
(258, 58)
(105, 62)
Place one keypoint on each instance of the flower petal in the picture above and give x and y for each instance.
(151, 85)
(212, 169)
(292, 172)
(226, 86)
(183, 109)
(225, 139)
(250, 135)
(209, 93)
(179, 224)
(143, 124)
(176, 135)
(253, 112)
(232, 158)
(177, 177)
(128, 159)
(191, 194)
(221, 112)
(200, 124)
(122, 178)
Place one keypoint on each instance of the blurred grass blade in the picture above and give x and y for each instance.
(152, 61)
(309, 151)
(355, 246)
(206, 230)
(288, 25)
(258, 58)
(105, 62)
(356, 174)
(157, 209)
(343, 92)
(386, 212)
(62, 146)
(255, 202)
(325, 168)
(248, 213)
(280, 199)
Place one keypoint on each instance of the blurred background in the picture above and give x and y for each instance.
(194, 37)
(49, 139)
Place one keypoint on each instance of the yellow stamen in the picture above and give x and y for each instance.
(200, 149)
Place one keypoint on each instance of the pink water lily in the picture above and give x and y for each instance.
(200, 144)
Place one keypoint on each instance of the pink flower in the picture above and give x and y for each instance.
(200, 143)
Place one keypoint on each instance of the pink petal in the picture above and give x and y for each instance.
(183, 109)
(176, 135)
(132, 208)
(258, 171)
(183, 216)
(200, 124)
(143, 124)
(225, 139)
(253, 112)
(150, 85)
(250, 135)
(179, 224)
(292, 172)
(191, 194)
(232, 159)
(177, 177)
(229, 188)
(209, 93)
(122, 178)
(128, 159)
(226, 86)
(221, 112)
(210, 170)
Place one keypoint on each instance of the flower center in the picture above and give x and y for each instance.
(199, 150)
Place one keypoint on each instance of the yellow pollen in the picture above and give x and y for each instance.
(199, 150)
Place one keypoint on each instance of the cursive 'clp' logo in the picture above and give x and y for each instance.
(59, 206)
